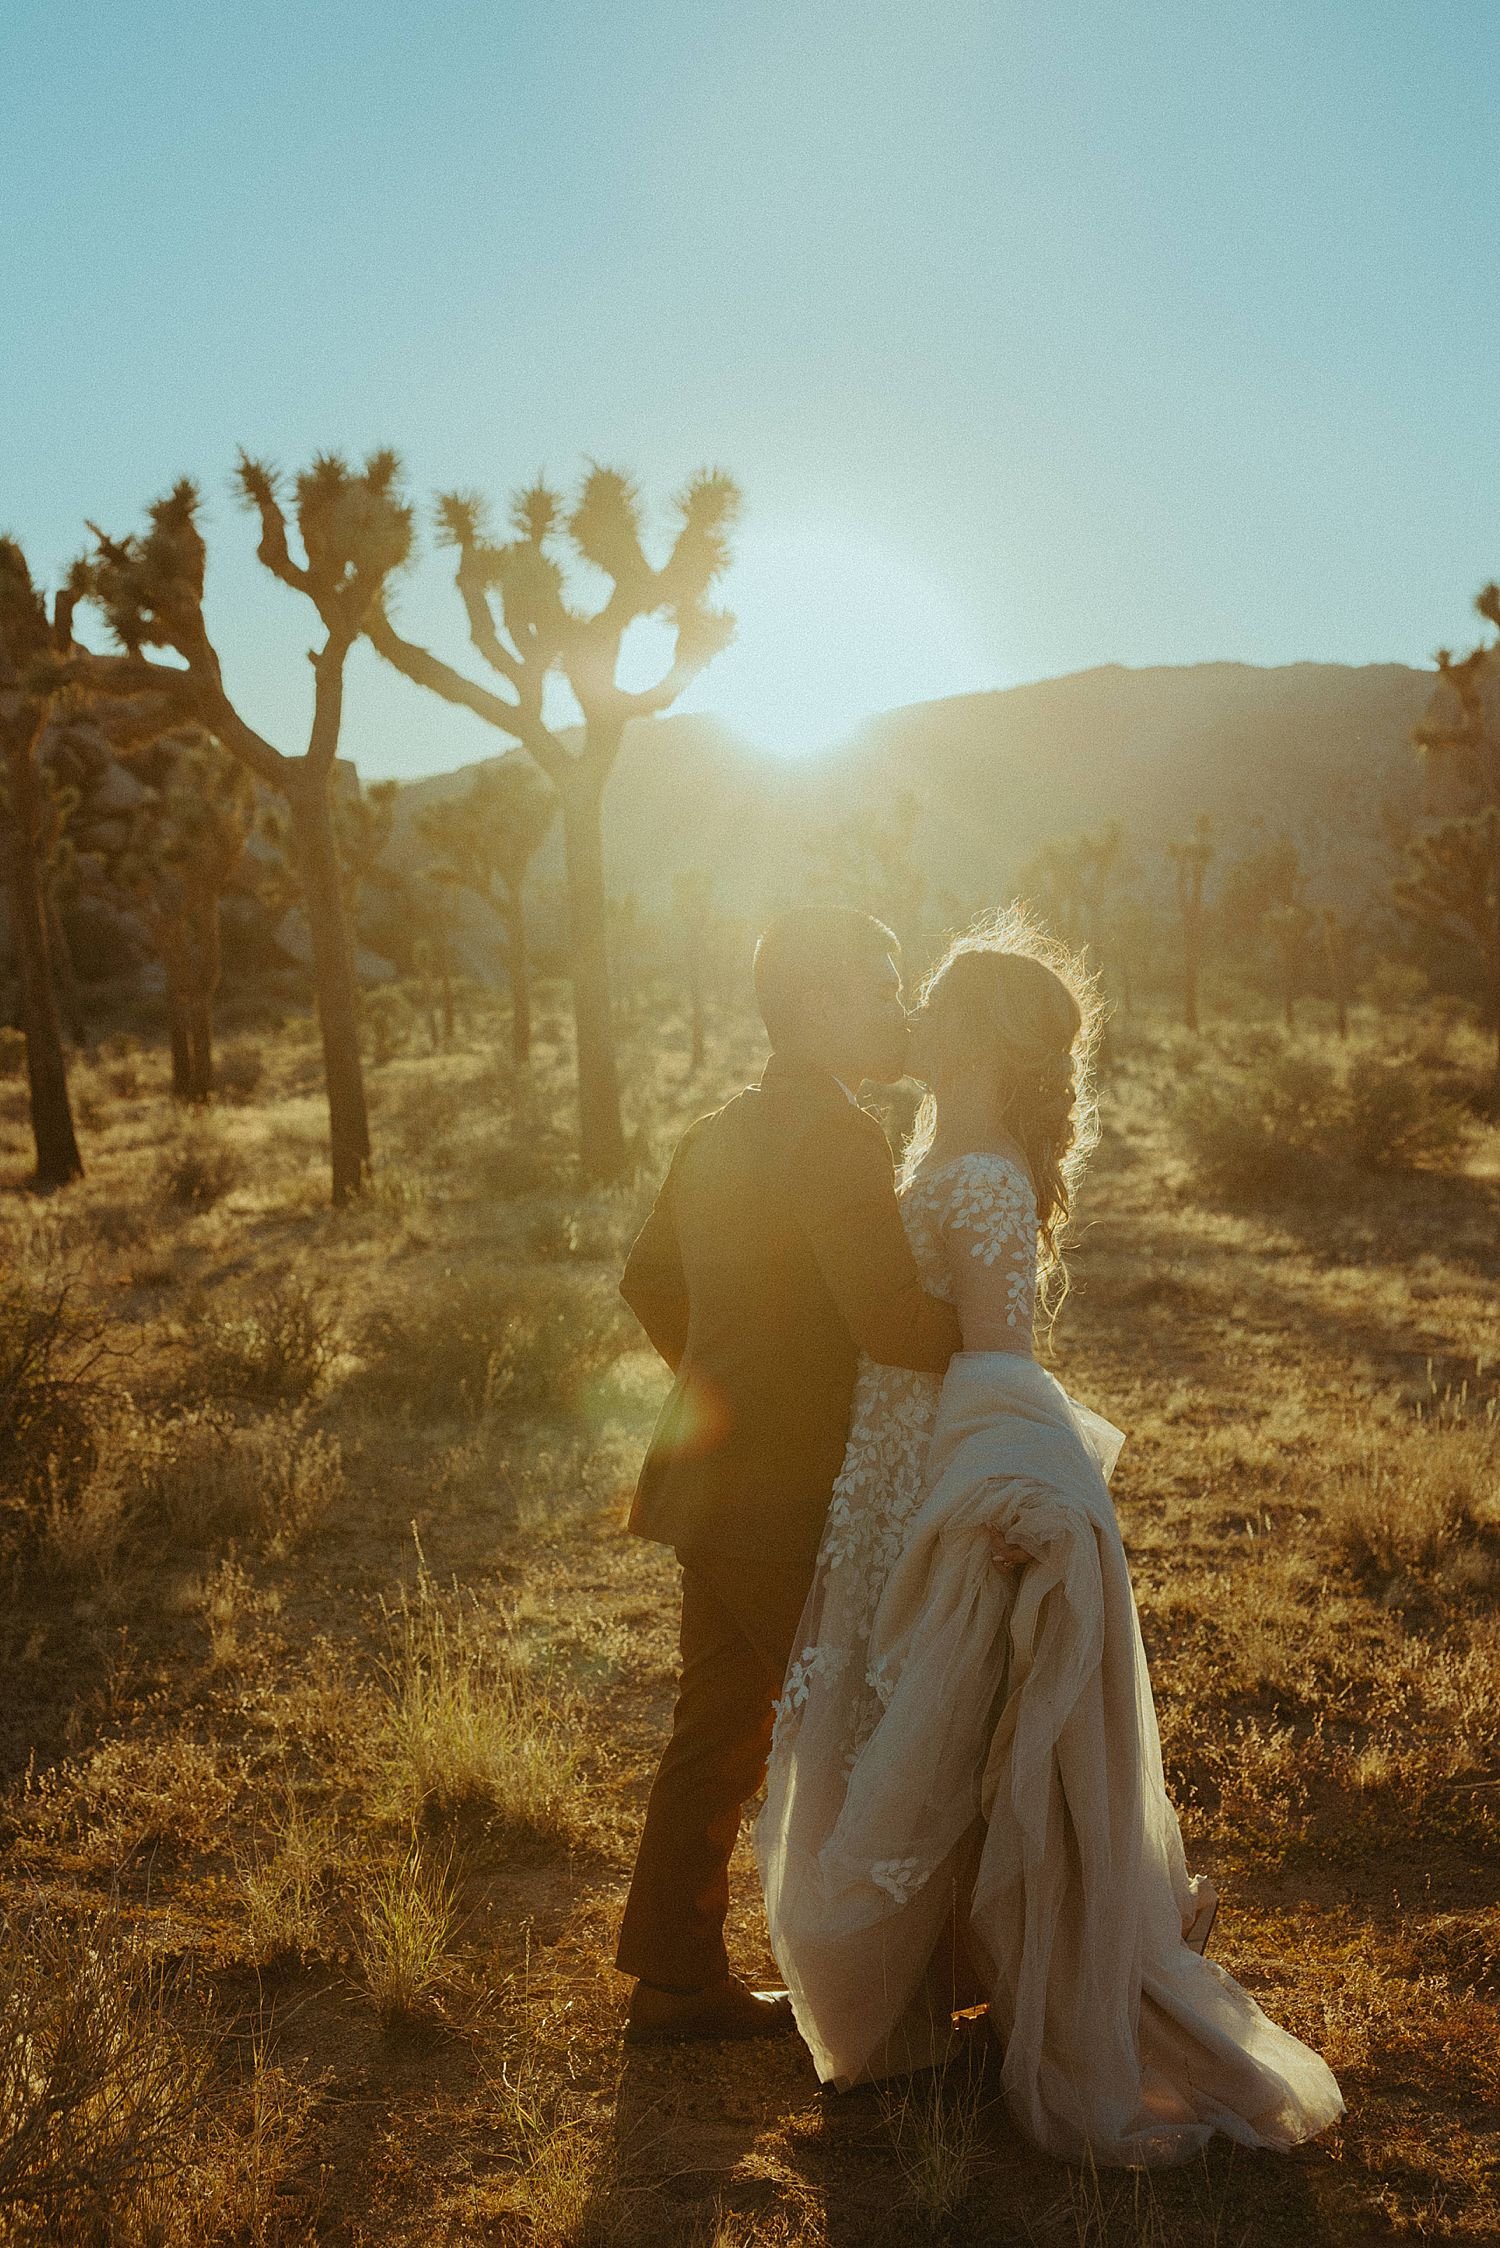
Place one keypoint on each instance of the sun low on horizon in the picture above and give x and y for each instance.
(833, 626)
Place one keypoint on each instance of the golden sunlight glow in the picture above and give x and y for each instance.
(833, 626)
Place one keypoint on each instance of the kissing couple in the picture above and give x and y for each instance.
(906, 1607)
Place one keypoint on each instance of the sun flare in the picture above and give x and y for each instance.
(833, 626)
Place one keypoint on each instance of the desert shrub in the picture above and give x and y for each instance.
(82, 1527)
(285, 1891)
(599, 1228)
(178, 1471)
(198, 1168)
(121, 1225)
(278, 1348)
(507, 1168)
(1393, 985)
(12, 1052)
(49, 1356)
(1260, 1129)
(479, 1340)
(1287, 1123)
(296, 1476)
(1396, 1116)
(238, 1070)
(120, 2121)
(101, 2078)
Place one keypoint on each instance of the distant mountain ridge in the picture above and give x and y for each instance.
(999, 774)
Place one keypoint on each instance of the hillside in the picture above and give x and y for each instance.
(998, 774)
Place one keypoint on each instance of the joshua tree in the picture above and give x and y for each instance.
(523, 626)
(34, 648)
(1190, 865)
(1453, 876)
(183, 849)
(355, 531)
(485, 841)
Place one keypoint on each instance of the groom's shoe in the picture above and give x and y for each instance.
(727, 2009)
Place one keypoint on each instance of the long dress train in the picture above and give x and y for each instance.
(954, 1735)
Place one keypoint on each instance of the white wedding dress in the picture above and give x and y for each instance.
(957, 1736)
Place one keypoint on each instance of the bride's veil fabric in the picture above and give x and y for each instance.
(1014, 1767)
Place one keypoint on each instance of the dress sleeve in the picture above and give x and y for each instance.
(990, 1236)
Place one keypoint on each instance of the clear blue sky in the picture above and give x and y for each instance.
(1040, 335)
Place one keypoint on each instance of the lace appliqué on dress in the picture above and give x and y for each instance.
(992, 1211)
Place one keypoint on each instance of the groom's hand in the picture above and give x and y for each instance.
(1004, 1554)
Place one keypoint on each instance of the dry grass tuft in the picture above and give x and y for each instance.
(285, 1894)
(469, 1728)
(405, 1921)
(939, 2129)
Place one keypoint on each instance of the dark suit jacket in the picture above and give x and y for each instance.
(773, 1256)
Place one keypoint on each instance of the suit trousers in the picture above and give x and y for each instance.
(738, 1625)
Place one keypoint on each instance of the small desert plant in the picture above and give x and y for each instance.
(279, 1347)
(181, 1471)
(1415, 1508)
(83, 1524)
(406, 1919)
(199, 1168)
(1393, 985)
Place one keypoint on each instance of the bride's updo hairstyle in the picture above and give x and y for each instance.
(1007, 996)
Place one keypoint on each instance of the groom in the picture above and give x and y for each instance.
(773, 1256)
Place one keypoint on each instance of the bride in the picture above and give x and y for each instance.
(966, 1777)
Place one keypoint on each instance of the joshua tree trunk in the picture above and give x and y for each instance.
(445, 982)
(333, 978)
(57, 1158)
(201, 1052)
(518, 966)
(64, 976)
(601, 1134)
(1191, 959)
(182, 1051)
